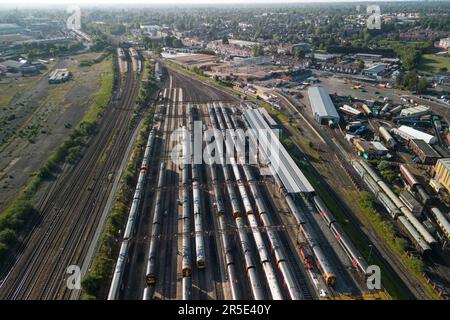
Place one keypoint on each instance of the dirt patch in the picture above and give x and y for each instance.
(47, 115)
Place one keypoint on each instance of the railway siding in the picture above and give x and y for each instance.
(22, 208)
(96, 282)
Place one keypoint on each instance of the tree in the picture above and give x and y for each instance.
(361, 65)
(92, 283)
(258, 51)
(422, 86)
(383, 165)
(298, 52)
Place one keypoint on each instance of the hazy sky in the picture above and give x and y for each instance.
(42, 3)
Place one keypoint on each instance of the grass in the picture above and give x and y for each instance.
(16, 216)
(102, 96)
(387, 230)
(433, 63)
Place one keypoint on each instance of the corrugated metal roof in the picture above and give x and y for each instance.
(426, 148)
(289, 173)
(321, 103)
(445, 163)
(267, 116)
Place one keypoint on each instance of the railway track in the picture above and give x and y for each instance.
(260, 280)
(71, 208)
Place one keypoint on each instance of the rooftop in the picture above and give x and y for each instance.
(445, 163)
(426, 148)
(286, 169)
(321, 103)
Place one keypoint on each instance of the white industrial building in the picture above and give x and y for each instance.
(322, 107)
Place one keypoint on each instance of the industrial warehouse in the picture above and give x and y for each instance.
(323, 108)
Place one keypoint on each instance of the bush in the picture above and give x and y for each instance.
(7, 236)
(92, 283)
(3, 250)
(416, 264)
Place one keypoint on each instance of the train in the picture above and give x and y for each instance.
(255, 282)
(158, 71)
(272, 281)
(122, 259)
(121, 54)
(442, 221)
(357, 260)
(198, 226)
(156, 226)
(422, 239)
(264, 215)
(325, 266)
(414, 184)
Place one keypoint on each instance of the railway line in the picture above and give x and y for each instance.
(71, 207)
(216, 224)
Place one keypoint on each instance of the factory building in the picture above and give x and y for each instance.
(442, 173)
(368, 57)
(423, 151)
(375, 70)
(322, 107)
(10, 28)
(59, 76)
(444, 43)
(287, 170)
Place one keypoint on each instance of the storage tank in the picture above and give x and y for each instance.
(397, 109)
(390, 141)
(385, 108)
(367, 110)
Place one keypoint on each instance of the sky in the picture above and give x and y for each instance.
(43, 3)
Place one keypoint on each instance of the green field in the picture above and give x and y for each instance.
(433, 63)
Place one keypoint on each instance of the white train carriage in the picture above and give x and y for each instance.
(442, 221)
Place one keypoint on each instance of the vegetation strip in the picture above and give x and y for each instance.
(95, 283)
(14, 219)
